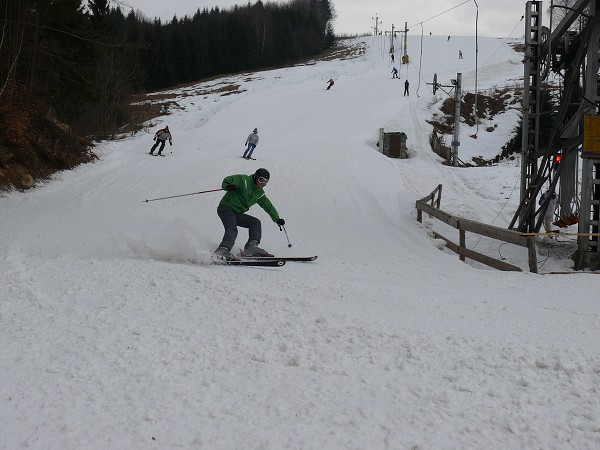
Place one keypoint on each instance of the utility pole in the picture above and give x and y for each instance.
(392, 36)
(405, 55)
(457, 86)
(376, 27)
(456, 140)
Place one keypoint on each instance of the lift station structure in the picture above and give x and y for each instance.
(569, 160)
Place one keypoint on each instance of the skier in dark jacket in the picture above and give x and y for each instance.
(161, 137)
(243, 191)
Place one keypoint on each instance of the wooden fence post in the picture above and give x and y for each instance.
(462, 243)
(531, 251)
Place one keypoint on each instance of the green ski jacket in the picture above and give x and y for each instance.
(246, 194)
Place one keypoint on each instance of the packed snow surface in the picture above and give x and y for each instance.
(118, 333)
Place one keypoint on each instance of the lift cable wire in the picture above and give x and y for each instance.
(444, 12)
(504, 41)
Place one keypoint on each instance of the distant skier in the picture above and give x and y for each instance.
(392, 56)
(243, 191)
(161, 137)
(394, 73)
(329, 84)
(460, 55)
(406, 85)
(251, 142)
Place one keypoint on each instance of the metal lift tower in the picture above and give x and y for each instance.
(571, 52)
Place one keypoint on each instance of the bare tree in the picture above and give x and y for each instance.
(559, 9)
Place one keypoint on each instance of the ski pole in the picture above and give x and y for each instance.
(286, 235)
(181, 195)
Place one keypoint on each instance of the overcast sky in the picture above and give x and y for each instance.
(454, 17)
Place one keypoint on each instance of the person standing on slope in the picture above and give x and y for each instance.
(406, 85)
(161, 137)
(251, 142)
(329, 84)
(549, 217)
(243, 191)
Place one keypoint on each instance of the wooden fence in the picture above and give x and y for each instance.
(431, 205)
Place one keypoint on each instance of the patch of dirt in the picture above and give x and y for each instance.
(520, 48)
(488, 106)
(341, 51)
(34, 144)
(145, 107)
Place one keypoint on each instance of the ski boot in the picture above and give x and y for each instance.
(223, 255)
(252, 250)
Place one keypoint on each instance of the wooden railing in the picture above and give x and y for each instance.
(431, 205)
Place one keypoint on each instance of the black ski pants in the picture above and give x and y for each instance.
(232, 220)
(162, 146)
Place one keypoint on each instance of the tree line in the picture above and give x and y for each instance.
(85, 58)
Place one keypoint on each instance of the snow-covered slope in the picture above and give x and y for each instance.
(111, 338)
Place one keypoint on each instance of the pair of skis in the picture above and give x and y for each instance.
(268, 261)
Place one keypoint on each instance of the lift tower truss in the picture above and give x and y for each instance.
(573, 54)
(531, 115)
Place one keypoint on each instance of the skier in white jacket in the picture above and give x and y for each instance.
(549, 217)
(251, 142)
(161, 137)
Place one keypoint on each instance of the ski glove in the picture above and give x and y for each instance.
(280, 222)
(154, 137)
(230, 187)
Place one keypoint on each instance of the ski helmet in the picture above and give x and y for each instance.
(261, 173)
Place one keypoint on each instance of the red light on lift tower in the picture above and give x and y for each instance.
(557, 158)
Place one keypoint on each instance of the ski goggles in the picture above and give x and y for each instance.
(263, 180)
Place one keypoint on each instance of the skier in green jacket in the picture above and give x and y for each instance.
(243, 191)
